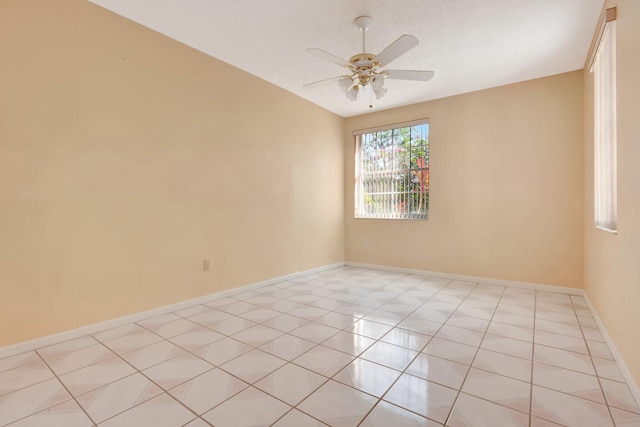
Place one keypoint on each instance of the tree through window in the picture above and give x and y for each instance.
(392, 172)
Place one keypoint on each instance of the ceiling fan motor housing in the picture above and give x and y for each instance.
(364, 66)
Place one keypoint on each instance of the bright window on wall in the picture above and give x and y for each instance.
(392, 172)
(605, 152)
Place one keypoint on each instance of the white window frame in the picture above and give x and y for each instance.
(396, 200)
(603, 67)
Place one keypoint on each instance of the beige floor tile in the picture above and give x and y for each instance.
(249, 408)
(207, 390)
(161, 411)
(569, 410)
(66, 414)
(117, 397)
(291, 383)
(367, 376)
(470, 411)
(498, 389)
(422, 397)
(323, 360)
(177, 370)
(435, 369)
(295, 418)
(252, 366)
(385, 414)
(348, 406)
(32, 399)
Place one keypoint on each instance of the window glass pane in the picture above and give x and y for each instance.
(392, 173)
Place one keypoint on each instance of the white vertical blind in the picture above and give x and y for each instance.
(605, 153)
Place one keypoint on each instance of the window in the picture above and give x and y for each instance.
(605, 152)
(392, 172)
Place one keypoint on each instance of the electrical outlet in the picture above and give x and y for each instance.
(365, 244)
(206, 265)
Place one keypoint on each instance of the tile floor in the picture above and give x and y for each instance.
(345, 347)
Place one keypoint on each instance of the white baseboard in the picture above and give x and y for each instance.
(486, 280)
(82, 331)
(626, 373)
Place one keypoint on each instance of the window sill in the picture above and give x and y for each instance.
(606, 229)
(396, 219)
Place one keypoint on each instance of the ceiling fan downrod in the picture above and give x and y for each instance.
(363, 22)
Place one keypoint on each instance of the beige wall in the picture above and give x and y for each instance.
(126, 159)
(506, 192)
(612, 261)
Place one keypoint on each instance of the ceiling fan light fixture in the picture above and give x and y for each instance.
(345, 83)
(377, 84)
(352, 93)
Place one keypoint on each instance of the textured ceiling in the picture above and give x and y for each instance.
(470, 44)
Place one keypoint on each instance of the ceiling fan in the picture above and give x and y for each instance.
(365, 68)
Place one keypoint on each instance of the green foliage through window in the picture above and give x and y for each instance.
(392, 173)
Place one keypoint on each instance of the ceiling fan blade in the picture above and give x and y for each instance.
(329, 57)
(408, 75)
(396, 49)
(325, 80)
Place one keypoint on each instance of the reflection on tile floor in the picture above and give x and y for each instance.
(344, 347)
